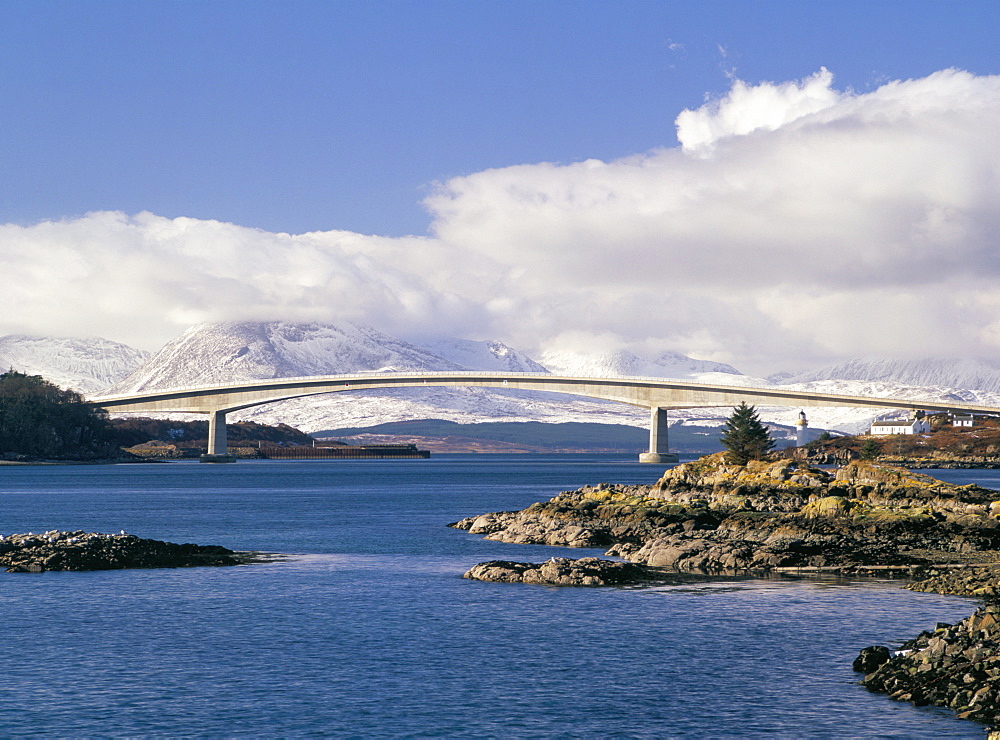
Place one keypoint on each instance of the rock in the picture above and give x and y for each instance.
(565, 572)
(709, 515)
(954, 666)
(871, 659)
(481, 524)
(79, 550)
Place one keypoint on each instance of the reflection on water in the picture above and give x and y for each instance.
(370, 630)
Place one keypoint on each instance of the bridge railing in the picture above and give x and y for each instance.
(420, 374)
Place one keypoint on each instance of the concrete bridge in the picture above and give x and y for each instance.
(657, 394)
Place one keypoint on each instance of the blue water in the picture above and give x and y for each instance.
(372, 632)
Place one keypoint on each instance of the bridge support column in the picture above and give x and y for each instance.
(218, 444)
(659, 449)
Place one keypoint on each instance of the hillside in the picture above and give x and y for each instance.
(531, 436)
(83, 365)
(966, 373)
(39, 421)
(945, 446)
(238, 351)
(494, 356)
(622, 363)
(231, 352)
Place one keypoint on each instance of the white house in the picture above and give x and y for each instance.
(901, 426)
(962, 420)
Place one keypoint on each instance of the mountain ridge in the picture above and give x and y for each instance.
(84, 365)
(242, 351)
(966, 373)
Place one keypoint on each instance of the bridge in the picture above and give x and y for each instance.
(659, 395)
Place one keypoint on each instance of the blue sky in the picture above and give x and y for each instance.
(302, 116)
(776, 185)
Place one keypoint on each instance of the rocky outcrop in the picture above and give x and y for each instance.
(566, 572)
(709, 516)
(944, 460)
(956, 666)
(590, 517)
(79, 550)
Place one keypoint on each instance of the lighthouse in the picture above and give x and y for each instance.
(800, 429)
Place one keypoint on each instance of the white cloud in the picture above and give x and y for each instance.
(887, 201)
(143, 279)
(796, 223)
(751, 108)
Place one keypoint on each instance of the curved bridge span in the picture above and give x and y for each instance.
(657, 394)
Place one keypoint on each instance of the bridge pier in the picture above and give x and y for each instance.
(659, 448)
(218, 443)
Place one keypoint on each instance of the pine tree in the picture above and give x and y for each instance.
(870, 450)
(744, 437)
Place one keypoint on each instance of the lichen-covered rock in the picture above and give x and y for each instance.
(971, 579)
(591, 517)
(565, 572)
(79, 550)
(708, 515)
(828, 506)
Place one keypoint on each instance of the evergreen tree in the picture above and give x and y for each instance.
(870, 450)
(38, 419)
(744, 437)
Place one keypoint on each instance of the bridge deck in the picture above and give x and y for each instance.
(656, 394)
(645, 392)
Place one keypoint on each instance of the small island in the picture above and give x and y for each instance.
(710, 516)
(80, 550)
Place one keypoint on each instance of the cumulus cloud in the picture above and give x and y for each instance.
(796, 223)
(144, 278)
(751, 108)
(780, 198)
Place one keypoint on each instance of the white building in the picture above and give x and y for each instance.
(962, 420)
(901, 426)
(801, 427)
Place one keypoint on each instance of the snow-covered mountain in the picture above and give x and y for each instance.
(486, 355)
(83, 365)
(961, 372)
(667, 365)
(230, 352)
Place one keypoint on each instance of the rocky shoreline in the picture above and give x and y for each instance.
(80, 551)
(712, 518)
(706, 516)
(955, 462)
(955, 666)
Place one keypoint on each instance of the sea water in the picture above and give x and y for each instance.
(369, 629)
